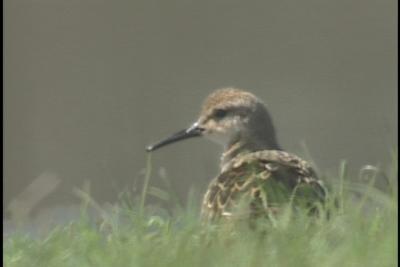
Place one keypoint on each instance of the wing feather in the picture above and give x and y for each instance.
(263, 180)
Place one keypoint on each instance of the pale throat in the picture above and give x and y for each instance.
(245, 144)
(236, 146)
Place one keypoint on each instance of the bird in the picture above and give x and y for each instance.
(257, 177)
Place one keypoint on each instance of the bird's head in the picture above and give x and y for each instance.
(228, 115)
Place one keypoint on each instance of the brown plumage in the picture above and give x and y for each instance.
(257, 178)
(263, 181)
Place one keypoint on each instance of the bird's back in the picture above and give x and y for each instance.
(258, 183)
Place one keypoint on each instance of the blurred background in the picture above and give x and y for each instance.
(89, 83)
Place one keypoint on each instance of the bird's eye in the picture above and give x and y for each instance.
(220, 113)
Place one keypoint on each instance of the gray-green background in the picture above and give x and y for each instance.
(89, 83)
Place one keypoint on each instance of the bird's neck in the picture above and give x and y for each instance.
(242, 145)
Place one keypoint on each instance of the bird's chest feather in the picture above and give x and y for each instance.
(260, 184)
(232, 191)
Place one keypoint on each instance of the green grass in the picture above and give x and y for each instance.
(361, 232)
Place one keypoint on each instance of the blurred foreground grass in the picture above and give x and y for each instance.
(361, 232)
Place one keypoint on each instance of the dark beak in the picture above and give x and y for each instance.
(192, 131)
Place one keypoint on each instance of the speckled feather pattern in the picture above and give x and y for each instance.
(256, 177)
